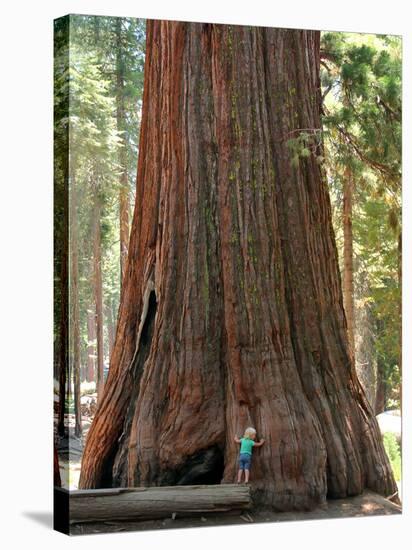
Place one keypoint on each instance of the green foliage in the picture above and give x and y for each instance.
(377, 259)
(361, 79)
(394, 454)
(99, 68)
(120, 45)
(93, 135)
(364, 110)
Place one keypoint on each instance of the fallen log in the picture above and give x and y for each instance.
(96, 505)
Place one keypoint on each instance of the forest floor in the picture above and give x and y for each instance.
(367, 504)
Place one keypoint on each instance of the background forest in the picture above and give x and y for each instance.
(101, 78)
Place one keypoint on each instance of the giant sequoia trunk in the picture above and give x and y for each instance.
(231, 308)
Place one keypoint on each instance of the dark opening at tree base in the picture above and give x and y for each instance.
(203, 468)
(115, 470)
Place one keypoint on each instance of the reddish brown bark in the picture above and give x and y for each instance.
(231, 308)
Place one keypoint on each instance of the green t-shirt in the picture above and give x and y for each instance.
(246, 445)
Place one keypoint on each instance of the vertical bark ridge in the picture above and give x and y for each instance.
(181, 389)
(272, 400)
(320, 342)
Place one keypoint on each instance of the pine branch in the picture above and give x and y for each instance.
(351, 140)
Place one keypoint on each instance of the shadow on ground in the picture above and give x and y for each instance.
(42, 518)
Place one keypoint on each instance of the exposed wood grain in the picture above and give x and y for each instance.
(156, 502)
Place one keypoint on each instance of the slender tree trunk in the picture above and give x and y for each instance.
(83, 365)
(98, 294)
(124, 199)
(56, 469)
(380, 401)
(63, 353)
(231, 308)
(348, 290)
(61, 217)
(74, 298)
(365, 345)
(91, 347)
(110, 327)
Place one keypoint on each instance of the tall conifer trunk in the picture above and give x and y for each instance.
(365, 352)
(110, 327)
(63, 290)
(231, 308)
(91, 346)
(98, 293)
(75, 314)
(124, 199)
(348, 290)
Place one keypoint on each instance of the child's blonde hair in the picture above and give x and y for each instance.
(249, 432)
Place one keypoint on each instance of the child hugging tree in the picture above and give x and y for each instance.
(247, 442)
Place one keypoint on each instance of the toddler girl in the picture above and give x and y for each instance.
(247, 442)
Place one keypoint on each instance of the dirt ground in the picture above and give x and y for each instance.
(367, 504)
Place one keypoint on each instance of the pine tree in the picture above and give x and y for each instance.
(362, 106)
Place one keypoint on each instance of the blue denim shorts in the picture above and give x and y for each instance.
(245, 460)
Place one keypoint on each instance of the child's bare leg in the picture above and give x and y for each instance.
(239, 476)
(246, 476)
